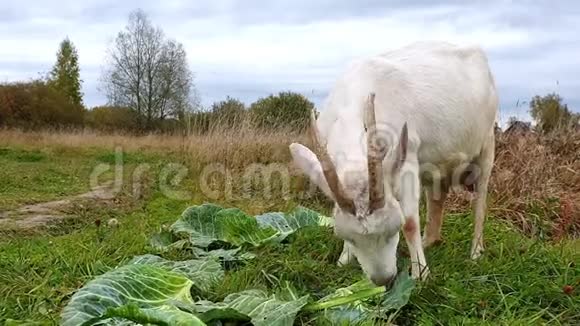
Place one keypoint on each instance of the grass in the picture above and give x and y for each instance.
(40, 175)
(519, 280)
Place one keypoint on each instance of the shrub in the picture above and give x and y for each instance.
(551, 114)
(285, 110)
(111, 118)
(228, 113)
(34, 105)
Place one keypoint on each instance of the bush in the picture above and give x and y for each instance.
(35, 105)
(111, 118)
(228, 113)
(551, 114)
(285, 110)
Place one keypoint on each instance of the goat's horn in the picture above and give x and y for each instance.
(329, 170)
(376, 152)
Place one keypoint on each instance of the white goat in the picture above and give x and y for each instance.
(435, 106)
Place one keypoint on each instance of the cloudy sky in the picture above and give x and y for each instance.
(249, 49)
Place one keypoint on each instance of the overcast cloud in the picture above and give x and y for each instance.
(249, 49)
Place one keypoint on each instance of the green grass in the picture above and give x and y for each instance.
(42, 175)
(33, 176)
(518, 281)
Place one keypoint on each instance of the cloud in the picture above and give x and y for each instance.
(249, 49)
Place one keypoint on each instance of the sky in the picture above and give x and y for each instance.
(251, 49)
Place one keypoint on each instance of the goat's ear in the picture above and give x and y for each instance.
(401, 150)
(307, 161)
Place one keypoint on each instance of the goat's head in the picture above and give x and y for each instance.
(369, 220)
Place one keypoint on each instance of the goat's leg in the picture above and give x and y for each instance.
(412, 233)
(409, 194)
(347, 256)
(485, 164)
(435, 202)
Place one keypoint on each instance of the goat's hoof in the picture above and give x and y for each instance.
(476, 252)
(421, 275)
(344, 262)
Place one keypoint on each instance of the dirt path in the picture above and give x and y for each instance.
(43, 214)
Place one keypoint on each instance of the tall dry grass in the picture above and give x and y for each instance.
(535, 182)
(235, 147)
(537, 179)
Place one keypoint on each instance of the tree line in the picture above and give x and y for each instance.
(149, 86)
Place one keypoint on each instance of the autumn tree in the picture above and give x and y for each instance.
(65, 75)
(148, 73)
(36, 105)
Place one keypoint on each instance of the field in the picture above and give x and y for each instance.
(529, 274)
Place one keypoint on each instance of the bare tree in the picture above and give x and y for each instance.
(176, 93)
(148, 73)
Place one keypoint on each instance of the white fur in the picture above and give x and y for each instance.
(446, 95)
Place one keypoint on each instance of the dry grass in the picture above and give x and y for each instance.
(87, 139)
(535, 182)
(236, 148)
(538, 177)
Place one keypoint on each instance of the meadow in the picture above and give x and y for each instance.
(529, 274)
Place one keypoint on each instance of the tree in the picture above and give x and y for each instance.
(65, 75)
(287, 110)
(550, 113)
(148, 73)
